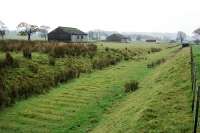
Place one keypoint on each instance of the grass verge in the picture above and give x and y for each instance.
(162, 104)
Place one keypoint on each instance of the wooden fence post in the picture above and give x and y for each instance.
(191, 56)
(197, 111)
(193, 85)
(193, 78)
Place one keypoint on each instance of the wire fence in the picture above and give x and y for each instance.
(195, 91)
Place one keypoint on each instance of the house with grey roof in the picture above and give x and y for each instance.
(67, 34)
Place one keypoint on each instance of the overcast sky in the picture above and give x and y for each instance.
(114, 15)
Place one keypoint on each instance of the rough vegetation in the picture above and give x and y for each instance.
(31, 68)
(97, 101)
(131, 86)
(156, 63)
(80, 105)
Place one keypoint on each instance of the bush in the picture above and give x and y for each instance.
(33, 67)
(126, 58)
(131, 86)
(59, 51)
(154, 64)
(100, 63)
(156, 49)
(27, 53)
(9, 61)
(52, 61)
(150, 65)
(3, 97)
(107, 49)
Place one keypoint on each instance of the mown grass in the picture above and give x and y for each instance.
(196, 55)
(79, 105)
(161, 105)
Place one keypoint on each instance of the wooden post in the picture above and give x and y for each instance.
(193, 75)
(191, 55)
(193, 86)
(197, 111)
(192, 66)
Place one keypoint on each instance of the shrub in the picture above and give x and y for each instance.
(3, 97)
(156, 49)
(52, 61)
(27, 53)
(160, 61)
(73, 73)
(9, 61)
(100, 63)
(131, 86)
(126, 58)
(151, 65)
(59, 51)
(155, 63)
(33, 67)
(107, 49)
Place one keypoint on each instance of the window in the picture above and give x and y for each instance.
(77, 36)
(82, 37)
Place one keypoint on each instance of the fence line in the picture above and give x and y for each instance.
(195, 91)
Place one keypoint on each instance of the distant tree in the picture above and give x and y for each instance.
(197, 41)
(44, 31)
(181, 36)
(3, 29)
(26, 29)
(197, 31)
(196, 35)
(138, 37)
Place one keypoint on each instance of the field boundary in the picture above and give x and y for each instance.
(195, 91)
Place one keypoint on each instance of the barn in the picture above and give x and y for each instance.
(151, 40)
(67, 34)
(117, 38)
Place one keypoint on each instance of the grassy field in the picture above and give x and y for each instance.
(96, 102)
(162, 104)
(23, 77)
(196, 55)
(81, 104)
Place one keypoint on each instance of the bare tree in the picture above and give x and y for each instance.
(3, 29)
(27, 29)
(181, 36)
(44, 31)
(197, 31)
(196, 35)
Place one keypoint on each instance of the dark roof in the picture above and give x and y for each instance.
(69, 30)
(119, 36)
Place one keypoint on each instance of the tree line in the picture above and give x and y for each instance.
(26, 29)
(181, 36)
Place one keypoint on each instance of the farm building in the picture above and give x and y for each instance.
(67, 34)
(185, 44)
(117, 38)
(151, 40)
